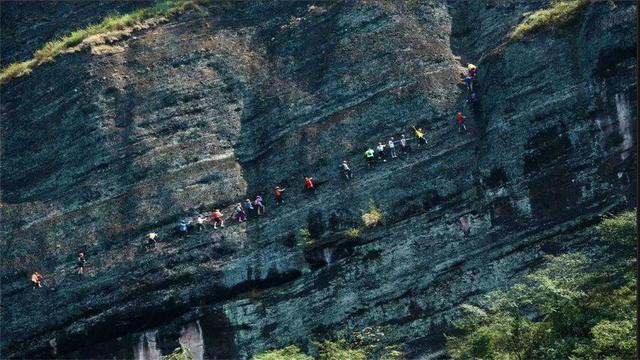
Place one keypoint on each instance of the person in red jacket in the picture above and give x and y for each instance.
(278, 192)
(217, 219)
(460, 120)
(308, 184)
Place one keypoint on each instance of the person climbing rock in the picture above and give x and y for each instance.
(200, 220)
(36, 280)
(80, 263)
(308, 184)
(248, 206)
(369, 155)
(403, 144)
(259, 204)
(151, 237)
(465, 224)
(419, 136)
(473, 70)
(182, 228)
(468, 80)
(380, 151)
(217, 218)
(392, 148)
(239, 213)
(346, 170)
(460, 120)
(278, 192)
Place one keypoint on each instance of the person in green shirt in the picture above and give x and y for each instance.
(370, 156)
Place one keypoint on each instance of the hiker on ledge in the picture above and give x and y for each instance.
(392, 148)
(216, 216)
(200, 222)
(278, 191)
(419, 136)
(152, 238)
(247, 205)
(468, 80)
(346, 170)
(460, 120)
(473, 70)
(240, 214)
(259, 203)
(36, 280)
(380, 151)
(370, 156)
(182, 228)
(308, 184)
(403, 145)
(80, 264)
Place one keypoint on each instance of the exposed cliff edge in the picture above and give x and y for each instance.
(215, 105)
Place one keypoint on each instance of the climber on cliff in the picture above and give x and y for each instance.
(380, 151)
(248, 205)
(468, 81)
(182, 228)
(152, 238)
(239, 213)
(419, 136)
(460, 120)
(278, 192)
(392, 148)
(369, 155)
(473, 70)
(200, 222)
(403, 144)
(346, 170)
(80, 263)
(308, 185)
(259, 203)
(36, 280)
(216, 217)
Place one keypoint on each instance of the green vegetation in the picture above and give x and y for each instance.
(111, 23)
(307, 240)
(353, 233)
(559, 13)
(373, 216)
(289, 353)
(571, 308)
(180, 353)
(357, 345)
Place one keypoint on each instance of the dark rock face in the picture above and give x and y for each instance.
(220, 104)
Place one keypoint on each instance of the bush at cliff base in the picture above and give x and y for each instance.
(574, 307)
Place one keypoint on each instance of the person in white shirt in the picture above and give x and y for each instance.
(392, 148)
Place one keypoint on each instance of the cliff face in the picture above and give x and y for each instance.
(224, 102)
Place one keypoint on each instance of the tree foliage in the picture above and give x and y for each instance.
(345, 345)
(568, 309)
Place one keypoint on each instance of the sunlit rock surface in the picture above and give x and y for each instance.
(227, 101)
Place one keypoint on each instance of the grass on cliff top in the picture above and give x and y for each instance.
(559, 13)
(111, 23)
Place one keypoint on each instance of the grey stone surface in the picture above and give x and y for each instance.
(223, 103)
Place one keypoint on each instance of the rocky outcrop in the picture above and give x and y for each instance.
(224, 102)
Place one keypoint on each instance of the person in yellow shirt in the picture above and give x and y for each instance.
(152, 238)
(419, 136)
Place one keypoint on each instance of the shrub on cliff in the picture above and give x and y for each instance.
(110, 24)
(373, 216)
(180, 353)
(565, 310)
(557, 14)
(289, 353)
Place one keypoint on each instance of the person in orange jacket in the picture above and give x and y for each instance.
(217, 219)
